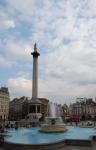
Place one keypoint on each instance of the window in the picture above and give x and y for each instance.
(32, 109)
(38, 108)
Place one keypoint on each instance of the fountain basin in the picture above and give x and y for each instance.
(33, 136)
(32, 139)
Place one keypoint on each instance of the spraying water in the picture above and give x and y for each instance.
(52, 110)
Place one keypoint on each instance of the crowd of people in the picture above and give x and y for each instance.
(1, 133)
(3, 129)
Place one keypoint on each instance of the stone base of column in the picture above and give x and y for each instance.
(34, 111)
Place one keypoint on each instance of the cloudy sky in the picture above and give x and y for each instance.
(65, 32)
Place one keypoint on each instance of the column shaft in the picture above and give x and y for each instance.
(35, 78)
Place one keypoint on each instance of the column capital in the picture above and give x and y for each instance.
(35, 53)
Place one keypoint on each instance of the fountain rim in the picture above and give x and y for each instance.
(47, 143)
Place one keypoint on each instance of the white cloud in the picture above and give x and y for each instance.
(6, 24)
(5, 21)
(15, 49)
(9, 23)
(19, 86)
(55, 90)
(26, 9)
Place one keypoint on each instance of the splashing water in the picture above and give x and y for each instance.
(52, 110)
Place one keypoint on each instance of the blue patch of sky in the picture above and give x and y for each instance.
(5, 74)
(2, 51)
(42, 73)
(24, 66)
(4, 34)
(3, 2)
(22, 30)
(12, 72)
(39, 3)
(66, 41)
(41, 48)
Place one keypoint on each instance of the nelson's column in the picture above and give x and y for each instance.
(34, 111)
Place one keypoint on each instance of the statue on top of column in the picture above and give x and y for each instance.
(35, 47)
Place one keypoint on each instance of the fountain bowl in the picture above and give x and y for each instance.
(52, 125)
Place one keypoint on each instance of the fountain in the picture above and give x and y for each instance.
(53, 123)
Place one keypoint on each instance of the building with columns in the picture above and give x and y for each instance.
(4, 103)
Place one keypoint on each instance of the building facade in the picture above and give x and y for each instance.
(65, 110)
(44, 106)
(4, 103)
(84, 108)
(19, 108)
